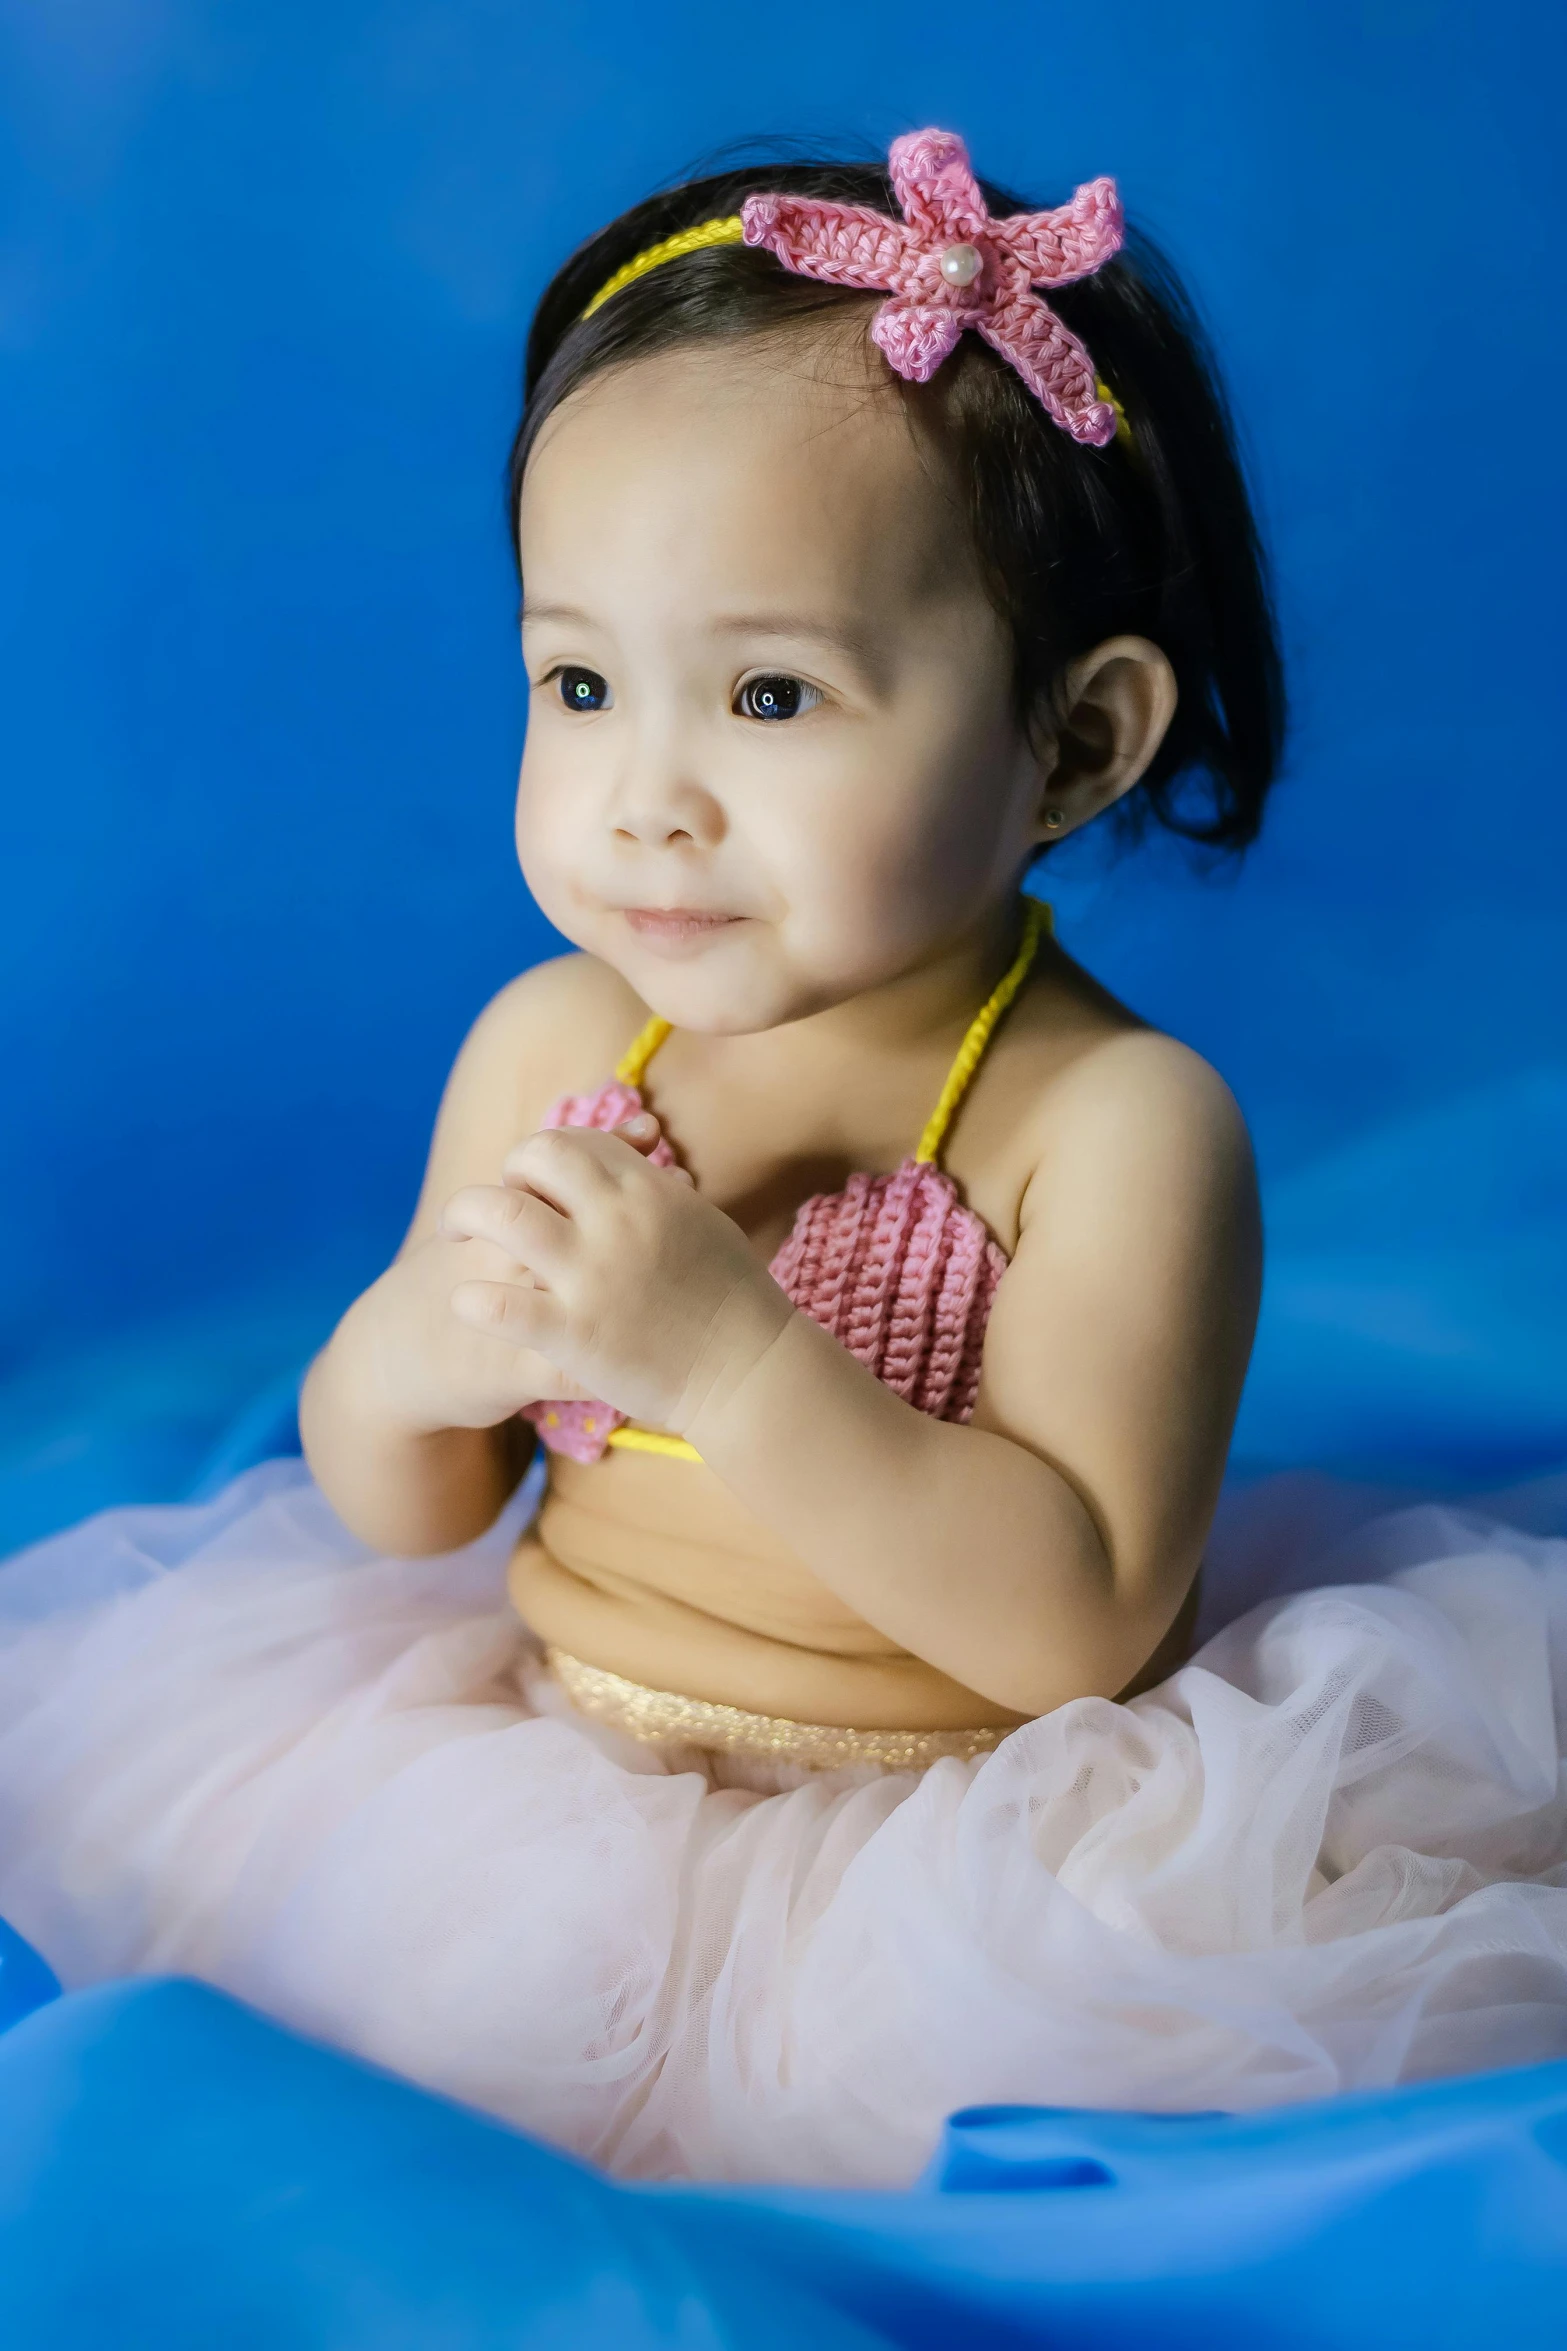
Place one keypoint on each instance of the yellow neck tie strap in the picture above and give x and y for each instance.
(631, 1068)
(631, 1437)
(1037, 924)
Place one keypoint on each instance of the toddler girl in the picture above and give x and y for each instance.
(881, 1319)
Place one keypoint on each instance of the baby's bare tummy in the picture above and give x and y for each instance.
(650, 1568)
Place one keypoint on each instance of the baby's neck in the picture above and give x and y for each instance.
(930, 1003)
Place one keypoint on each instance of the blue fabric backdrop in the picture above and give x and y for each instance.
(265, 270)
(267, 266)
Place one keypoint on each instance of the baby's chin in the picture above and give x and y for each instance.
(720, 988)
(719, 979)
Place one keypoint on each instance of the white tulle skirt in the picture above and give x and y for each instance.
(1331, 1852)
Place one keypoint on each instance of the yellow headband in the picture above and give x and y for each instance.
(731, 231)
(697, 240)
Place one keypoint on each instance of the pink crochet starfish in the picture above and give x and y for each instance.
(947, 265)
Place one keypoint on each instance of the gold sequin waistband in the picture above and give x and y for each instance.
(664, 1717)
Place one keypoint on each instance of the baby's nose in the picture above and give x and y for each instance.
(668, 809)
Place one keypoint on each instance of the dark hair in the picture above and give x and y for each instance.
(1076, 544)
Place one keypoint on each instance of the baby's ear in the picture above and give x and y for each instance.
(1110, 712)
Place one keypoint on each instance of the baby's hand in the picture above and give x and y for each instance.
(427, 1368)
(641, 1292)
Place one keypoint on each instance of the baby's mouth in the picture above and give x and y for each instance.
(676, 926)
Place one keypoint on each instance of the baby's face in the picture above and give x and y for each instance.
(772, 759)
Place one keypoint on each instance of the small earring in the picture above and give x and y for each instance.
(1054, 819)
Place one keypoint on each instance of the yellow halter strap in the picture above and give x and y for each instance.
(1038, 923)
(631, 1068)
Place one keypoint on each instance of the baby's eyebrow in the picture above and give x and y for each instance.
(859, 644)
(571, 612)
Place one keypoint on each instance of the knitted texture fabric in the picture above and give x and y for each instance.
(896, 1267)
(903, 1275)
(948, 265)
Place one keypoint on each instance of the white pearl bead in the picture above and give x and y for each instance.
(961, 265)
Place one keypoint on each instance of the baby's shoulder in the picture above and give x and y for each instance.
(1121, 1110)
(557, 1029)
(1141, 1088)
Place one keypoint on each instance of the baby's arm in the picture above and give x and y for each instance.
(408, 1415)
(1043, 1552)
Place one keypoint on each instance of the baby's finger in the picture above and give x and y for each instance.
(523, 1227)
(641, 1131)
(644, 1133)
(571, 1167)
(561, 1390)
(527, 1318)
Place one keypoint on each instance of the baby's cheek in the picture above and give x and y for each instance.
(546, 875)
(890, 856)
(870, 915)
(552, 830)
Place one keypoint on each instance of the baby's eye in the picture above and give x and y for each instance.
(776, 697)
(583, 689)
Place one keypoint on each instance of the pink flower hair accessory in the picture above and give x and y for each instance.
(948, 265)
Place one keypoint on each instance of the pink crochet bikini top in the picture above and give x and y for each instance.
(895, 1266)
